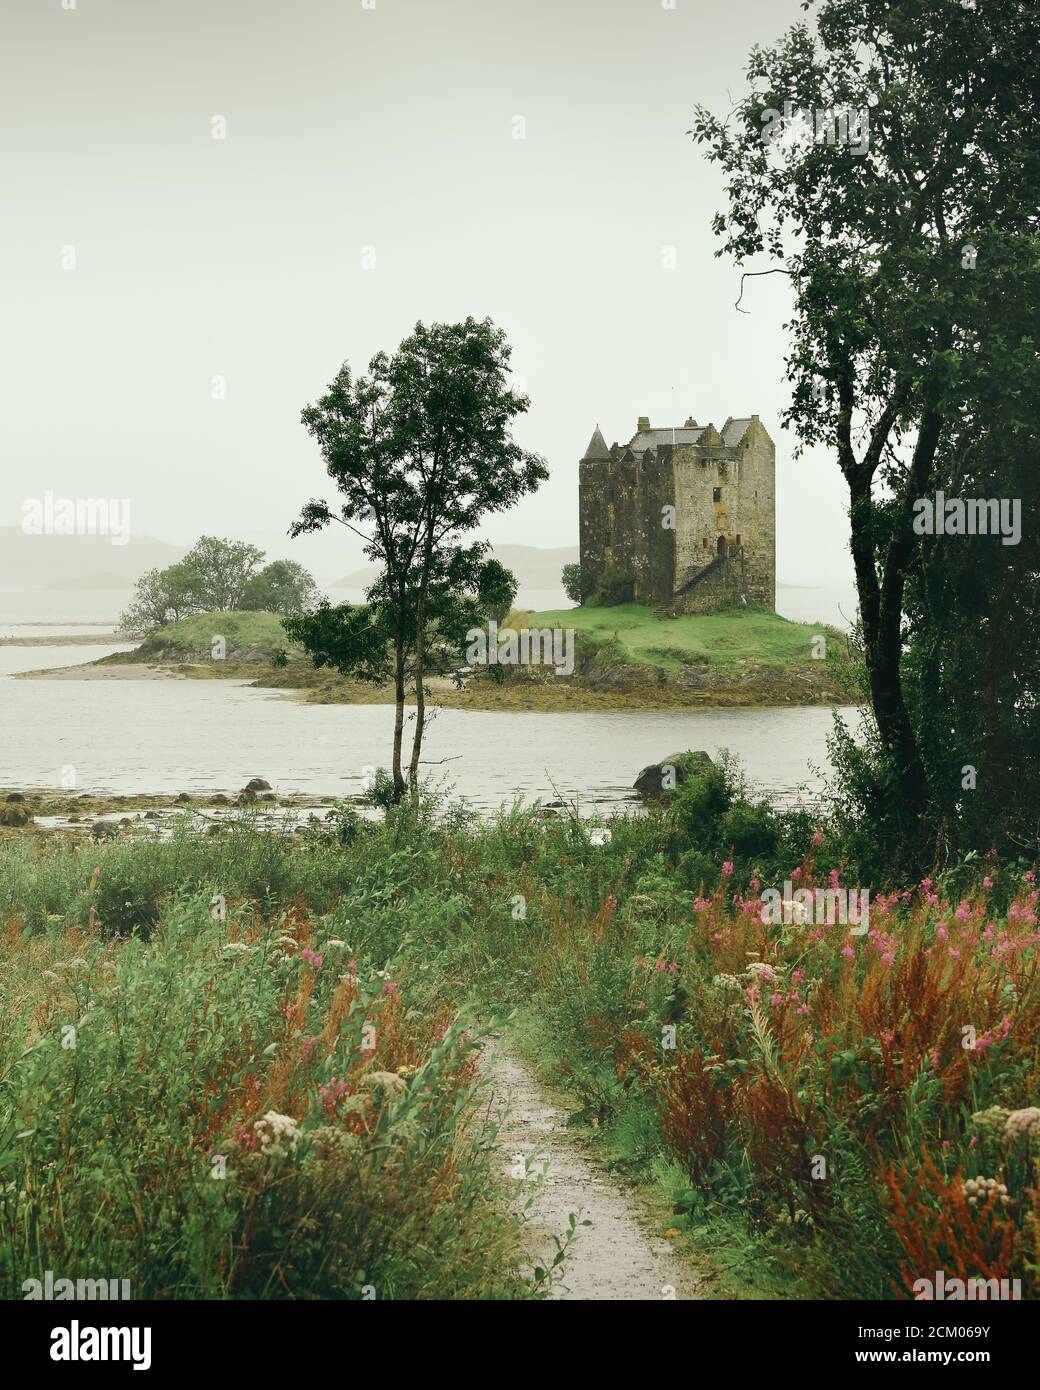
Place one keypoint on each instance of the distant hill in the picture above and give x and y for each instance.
(107, 581)
(75, 562)
(534, 567)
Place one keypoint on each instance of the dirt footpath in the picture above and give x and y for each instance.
(614, 1258)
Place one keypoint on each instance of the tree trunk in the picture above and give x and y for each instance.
(399, 785)
(420, 694)
(881, 611)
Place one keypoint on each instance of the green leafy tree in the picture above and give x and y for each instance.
(218, 572)
(573, 584)
(420, 449)
(281, 587)
(160, 596)
(905, 238)
(496, 589)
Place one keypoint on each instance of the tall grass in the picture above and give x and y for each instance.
(834, 1099)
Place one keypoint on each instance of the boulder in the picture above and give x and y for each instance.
(257, 784)
(16, 796)
(14, 816)
(660, 777)
(182, 797)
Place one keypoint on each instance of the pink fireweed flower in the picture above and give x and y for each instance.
(926, 884)
(755, 885)
(797, 976)
(802, 1009)
(312, 958)
(987, 882)
(699, 904)
(848, 952)
(245, 1136)
(332, 1092)
(1030, 876)
(941, 933)
(389, 987)
(835, 879)
(963, 912)
(307, 1046)
(612, 903)
(727, 868)
(776, 998)
(817, 839)
(795, 875)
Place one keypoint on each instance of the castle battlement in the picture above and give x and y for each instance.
(688, 511)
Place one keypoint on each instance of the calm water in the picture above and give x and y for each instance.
(13, 659)
(195, 736)
(171, 736)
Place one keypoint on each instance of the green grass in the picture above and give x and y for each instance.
(723, 640)
(193, 637)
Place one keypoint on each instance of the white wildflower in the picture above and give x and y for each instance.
(278, 1134)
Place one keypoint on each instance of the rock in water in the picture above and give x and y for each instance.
(661, 777)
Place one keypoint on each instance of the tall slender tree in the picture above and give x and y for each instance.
(421, 450)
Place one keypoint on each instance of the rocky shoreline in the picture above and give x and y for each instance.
(626, 689)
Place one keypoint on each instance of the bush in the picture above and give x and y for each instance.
(615, 586)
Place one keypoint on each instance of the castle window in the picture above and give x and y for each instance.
(716, 494)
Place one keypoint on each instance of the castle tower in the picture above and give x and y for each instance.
(686, 514)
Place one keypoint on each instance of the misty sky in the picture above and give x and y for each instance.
(392, 129)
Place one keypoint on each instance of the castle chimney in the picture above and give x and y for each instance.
(644, 425)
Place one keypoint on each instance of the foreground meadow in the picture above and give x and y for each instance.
(244, 1065)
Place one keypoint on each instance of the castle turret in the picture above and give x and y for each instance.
(597, 450)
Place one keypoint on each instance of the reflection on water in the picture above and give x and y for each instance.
(170, 736)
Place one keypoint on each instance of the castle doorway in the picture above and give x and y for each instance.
(721, 546)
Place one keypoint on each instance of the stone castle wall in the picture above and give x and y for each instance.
(722, 550)
(620, 507)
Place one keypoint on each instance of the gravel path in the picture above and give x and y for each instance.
(614, 1258)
